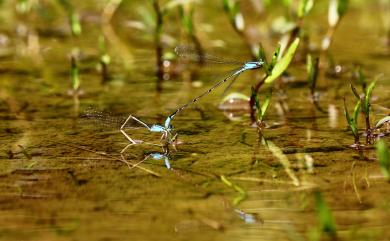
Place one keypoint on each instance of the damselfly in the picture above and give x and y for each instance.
(186, 52)
(168, 136)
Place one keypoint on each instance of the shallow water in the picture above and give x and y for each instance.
(62, 177)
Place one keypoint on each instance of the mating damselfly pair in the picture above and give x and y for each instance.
(168, 135)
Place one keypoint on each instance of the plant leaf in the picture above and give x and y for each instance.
(354, 91)
(312, 66)
(382, 121)
(304, 7)
(265, 105)
(324, 214)
(275, 56)
(342, 7)
(356, 113)
(367, 98)
(284, 62)
(383, 154)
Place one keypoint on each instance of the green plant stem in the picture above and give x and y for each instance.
(159, 48)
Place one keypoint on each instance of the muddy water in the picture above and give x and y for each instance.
(63, 178)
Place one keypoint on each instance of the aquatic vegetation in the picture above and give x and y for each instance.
(337, 9)
(327, 223)
(74, 19)
(232, 8)
(261, 109)
(383, 154)
(382, 122)
(353, 121)
(105, 59)
(242, 194)
(283, 62)
(312, 75)
(74, 74)
(278, 153)
(364, 100)
(187, 23)
(359, 76)
(274, 69)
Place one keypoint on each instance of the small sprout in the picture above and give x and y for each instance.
(283, 63)
(74, 73)
(287, 3)
(365, 106)
(383, 154)
(261, 109)
(352, 122)
(186, 20)
(360, 77)
(188, 25)
(328, 225)
(354, 91)
(105, 59)
(242, 194)
(382, 121)
(232, 8)
(304, 8)
(74, 20)
(337, 9)
(278, 153)
(75, 24)
(367, 97)
(312, 67)
(23, 6)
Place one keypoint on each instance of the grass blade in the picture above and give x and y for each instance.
(383, 154)
(327, 223)
(367, 98)
(283, 63)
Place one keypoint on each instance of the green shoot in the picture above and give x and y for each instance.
(188, 25)
(278, 153)
(242, 194)
(74, 74)
(352, 122)
(365, 106)
(337, 9)
(360, 77)
(74, 20)
(382, 121)
(261, 109)
(312, 67)
(262, 56)
(382, 151)
(23, 6)
(105, 59)
(367, 97)
(186, 20)
(354, 91)
(304, 8)
(232, 8)
(283, 63)
(327, 223)
(75, 25)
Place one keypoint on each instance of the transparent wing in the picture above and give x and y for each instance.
(106, 120)
(189, 53)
